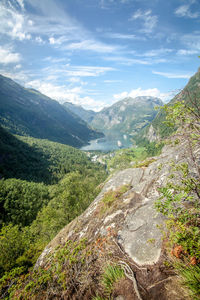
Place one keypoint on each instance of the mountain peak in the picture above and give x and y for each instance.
(127, 116)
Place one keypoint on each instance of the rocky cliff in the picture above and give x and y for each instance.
(120, 227)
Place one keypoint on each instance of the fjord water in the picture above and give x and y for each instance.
(108, 143)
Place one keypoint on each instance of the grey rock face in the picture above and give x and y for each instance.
(140, 236)
(134, 221)
(152, 135)
(138, 231)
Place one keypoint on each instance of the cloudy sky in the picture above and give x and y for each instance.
(96, 52)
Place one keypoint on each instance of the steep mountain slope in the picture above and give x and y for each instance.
(190, 94)
(120, 228)
(28, 112)
(126, 116)
(86, 115)
(38, 160)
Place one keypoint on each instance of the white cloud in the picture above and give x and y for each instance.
(149, 21)
(120, 96)
(74, 79)
(108, 4)
(157, 52)
(91, 45)
(77, 71)
(127, 61)
(187, 52)
(21, 4)
(124, 36)
(173, 75)
(148, 59)
(55, 60)
(13, 22)
(154, 92)
(62, 93)
(192, 40)
(185, 11)
(87, 71)
(52, 40)
(39, 40)
(63, 31)
(52, 24)
(58, 92)
(30, 22)
(17, 67)
(57, 41)
(112, 81)
(20, 76)
(8, 57)
(90, 103)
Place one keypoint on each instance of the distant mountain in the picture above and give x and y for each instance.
(191, 93)
(86, 115)
(127, 116)
(30, 113)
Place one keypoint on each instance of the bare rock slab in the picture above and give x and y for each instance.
(140, 236)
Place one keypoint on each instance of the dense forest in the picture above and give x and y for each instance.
(44, 185)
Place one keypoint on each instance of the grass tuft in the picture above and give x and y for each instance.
(111, 275)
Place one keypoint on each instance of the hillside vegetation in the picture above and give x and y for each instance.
(44, 185)
(38, 160)
(190, 94)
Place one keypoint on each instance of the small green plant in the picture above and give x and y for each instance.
(179, 200)
(59, 273)
(144, 163)
(191, 278)
(98, 298)
(111, 196)
(151, 241)
(111, 275)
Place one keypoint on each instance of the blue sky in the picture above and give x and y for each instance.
(96, 52)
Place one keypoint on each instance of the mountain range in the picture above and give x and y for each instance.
(127, 116)
(30, 113)
(27, 112)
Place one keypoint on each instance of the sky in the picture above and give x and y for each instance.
(96, 52)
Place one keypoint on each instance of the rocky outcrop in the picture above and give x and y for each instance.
(151, 135)
(126, 229)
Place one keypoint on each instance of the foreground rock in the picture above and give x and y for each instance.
(123, 227)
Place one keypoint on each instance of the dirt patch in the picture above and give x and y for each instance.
(124, 288)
